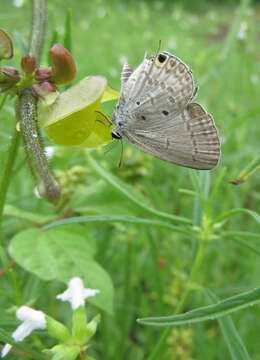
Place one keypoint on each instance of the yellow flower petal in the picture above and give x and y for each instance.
(110, 94)
(71, 118)
(101, 132)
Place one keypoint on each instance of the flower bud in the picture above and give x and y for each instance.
(28, 64)
(63, 352)
(47, 91)
(42, 74)
(79, 325)
(92, 326)
(63, 65)
(9, 76)
(6, 45)
(9, 72)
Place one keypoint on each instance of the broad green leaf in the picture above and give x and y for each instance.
(211, 312)
(122, 219)
(60, 255)
(10, 210)
(133, 195)
(234, 342)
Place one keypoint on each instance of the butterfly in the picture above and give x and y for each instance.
(155, 113)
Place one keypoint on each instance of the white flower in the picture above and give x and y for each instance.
(242, 32)
(76, 293)
(31, 320)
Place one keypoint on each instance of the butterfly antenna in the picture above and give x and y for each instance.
(105, 117)
(159, 48)
(111, 147)
(121, 156)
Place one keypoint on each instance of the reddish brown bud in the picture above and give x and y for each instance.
(42, 74)
(9, 72)
(6, 45)
(9, 76)
(28, 64)
(63, 65)
(44, 88)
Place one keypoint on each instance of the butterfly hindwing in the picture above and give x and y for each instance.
(190, 139)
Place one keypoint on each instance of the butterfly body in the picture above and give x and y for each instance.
(155, 114)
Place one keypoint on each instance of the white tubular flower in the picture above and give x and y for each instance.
(76, 293)
(31, 320)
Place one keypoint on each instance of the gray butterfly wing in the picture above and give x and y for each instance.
(163, 82)
(154, 113)
(190, 139)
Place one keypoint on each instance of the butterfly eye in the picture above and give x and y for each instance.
(160, 60)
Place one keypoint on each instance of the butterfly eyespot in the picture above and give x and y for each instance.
(138, 103)
(160, 60)
(165, 112)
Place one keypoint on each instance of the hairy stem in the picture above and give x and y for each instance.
(34, 149)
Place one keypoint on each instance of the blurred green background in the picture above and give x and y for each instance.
(220, 41)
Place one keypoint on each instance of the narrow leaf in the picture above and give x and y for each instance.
(233, 212)
(234, 342)
(133, 195)
(211, 312)
(122, 219)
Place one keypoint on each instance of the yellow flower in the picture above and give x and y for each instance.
(75, 117)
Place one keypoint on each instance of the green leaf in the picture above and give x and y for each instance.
(233, 212)
(243, 234)
(235, 344)
(244, 243)
(10, 210)
(122, 219)
(211, 312)
(133, 195)
(60, 255)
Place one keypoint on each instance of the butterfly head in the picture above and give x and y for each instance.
(116, 135)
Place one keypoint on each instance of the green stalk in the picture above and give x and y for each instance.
(193, 277)
(34, 149)
(38, 28)
(37, 35)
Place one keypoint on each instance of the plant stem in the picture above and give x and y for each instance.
(7, 170)
(38, 29)
(193, 276)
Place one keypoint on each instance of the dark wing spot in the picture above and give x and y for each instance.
(162, 58)
(138, 103)
(143, 117)
(165, 112)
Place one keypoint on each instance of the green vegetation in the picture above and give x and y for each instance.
(171, 239)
